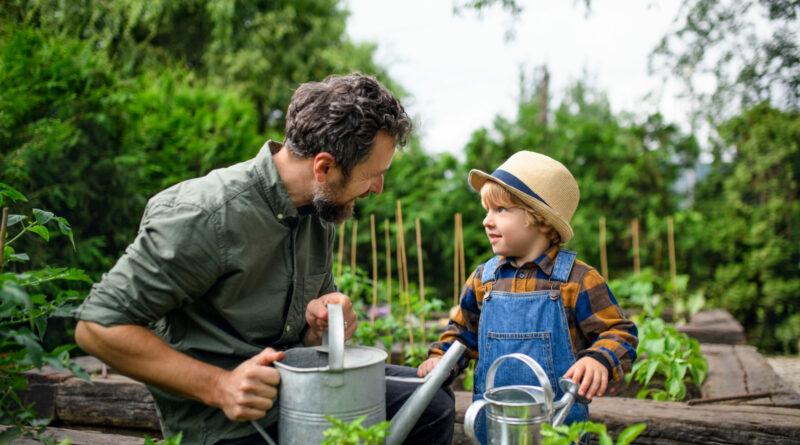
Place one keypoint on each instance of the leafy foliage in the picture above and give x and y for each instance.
(664, 352)
(27, 301)
(354, 433)
(571, 434)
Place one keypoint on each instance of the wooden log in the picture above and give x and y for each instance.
(82, 437)
(114, 401)
(679, 423)
(714, 326)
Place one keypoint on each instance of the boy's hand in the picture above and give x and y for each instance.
(427, 366)
(591, 375)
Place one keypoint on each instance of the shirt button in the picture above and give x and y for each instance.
(521, 275)
(288, 328)
(280, 215)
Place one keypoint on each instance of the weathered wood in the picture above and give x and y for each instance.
(714, 326)
(740, 369)
(114, 401)
(81, 437)
(674, 423)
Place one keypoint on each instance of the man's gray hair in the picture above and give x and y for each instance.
(342, 115)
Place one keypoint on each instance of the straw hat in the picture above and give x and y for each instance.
(541, 182)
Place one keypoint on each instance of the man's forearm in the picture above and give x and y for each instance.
(138, 353)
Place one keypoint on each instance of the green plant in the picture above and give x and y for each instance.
(570, 434)
(354, 433)
(469, 376)
(27, 300)
(672, 355)
(171, 440)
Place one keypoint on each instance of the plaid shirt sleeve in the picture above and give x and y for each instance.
(599, 317)
(463, 326)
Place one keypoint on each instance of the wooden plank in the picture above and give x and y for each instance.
(673, 423)
(81, 437)
(741, 369)
(714, 326)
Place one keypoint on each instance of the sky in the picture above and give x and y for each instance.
(461, 71)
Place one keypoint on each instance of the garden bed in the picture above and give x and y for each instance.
(741, 401)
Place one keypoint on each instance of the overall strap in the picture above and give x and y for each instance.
(489, 270)
(564, 262)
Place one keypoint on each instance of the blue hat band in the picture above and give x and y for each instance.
(513, 181)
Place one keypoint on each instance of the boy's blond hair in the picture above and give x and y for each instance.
(494, 195)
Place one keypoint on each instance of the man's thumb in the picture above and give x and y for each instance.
(267, 356)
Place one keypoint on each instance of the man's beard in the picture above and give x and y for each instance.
(328, 208)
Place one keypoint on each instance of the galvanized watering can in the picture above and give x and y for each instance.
(515, 413)
(346, 382)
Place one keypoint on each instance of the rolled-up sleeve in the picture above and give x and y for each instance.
(175, 258)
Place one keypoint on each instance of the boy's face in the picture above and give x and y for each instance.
(508, 231)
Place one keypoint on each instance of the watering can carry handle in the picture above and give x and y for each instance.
(334, 338)
(470, 417)
(535, 367)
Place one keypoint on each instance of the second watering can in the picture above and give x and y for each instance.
(515, 413)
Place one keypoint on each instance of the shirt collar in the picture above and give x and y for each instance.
(545, 262)
(272, 185)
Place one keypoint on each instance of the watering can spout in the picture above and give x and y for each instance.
(405, 419)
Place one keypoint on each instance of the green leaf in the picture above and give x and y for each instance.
(630, 433)
(6, 191)
(41, 326)
(41, 231)
(15, 219)
(652, 366)
(42, 216)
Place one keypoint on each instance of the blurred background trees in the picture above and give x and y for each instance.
(103, 104)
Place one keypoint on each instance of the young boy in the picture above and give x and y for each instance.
(534, 297)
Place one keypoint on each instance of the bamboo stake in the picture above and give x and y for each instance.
(421, 277)
(374, 270)
(603, 257)
(456, 286)
(635, 235)
(388, 242)
(353, 246)
(461, 262)
(671, 246)
(404, 259)
(341, 252)
(3, 227)
(399, 260)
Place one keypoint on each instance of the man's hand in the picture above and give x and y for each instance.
(427, 366)
(317, 317)
(250, 390)
(591, 375)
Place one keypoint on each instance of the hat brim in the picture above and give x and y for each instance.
(478, 178)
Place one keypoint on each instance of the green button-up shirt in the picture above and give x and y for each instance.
(222, 267)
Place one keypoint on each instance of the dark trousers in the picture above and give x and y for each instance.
(434, 427)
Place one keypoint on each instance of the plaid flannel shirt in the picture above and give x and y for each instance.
(597, 326)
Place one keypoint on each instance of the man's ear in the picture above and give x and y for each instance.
(323, 165)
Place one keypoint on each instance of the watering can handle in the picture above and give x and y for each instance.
(334, 338)
(470, 417)
(535, 367)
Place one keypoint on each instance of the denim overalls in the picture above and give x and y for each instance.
(533, 323)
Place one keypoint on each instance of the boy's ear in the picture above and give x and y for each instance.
(323, 165)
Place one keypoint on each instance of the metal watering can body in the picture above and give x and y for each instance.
(515, 413)
(346, 382)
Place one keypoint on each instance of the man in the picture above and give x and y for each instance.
(229, 269)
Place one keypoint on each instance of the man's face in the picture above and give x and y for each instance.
(334, 200)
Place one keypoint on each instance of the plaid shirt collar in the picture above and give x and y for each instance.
(545, 262)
